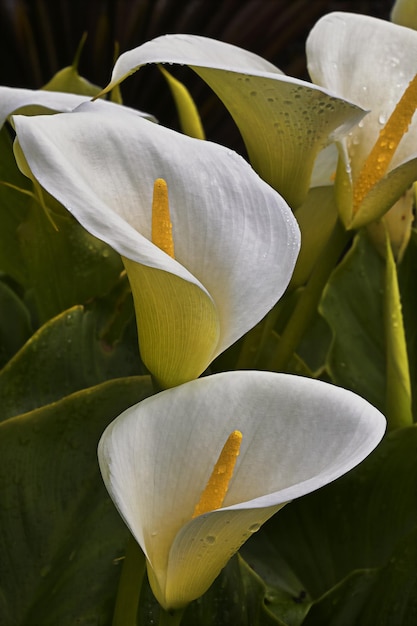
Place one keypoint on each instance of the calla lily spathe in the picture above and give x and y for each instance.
(371, 62)
(284, 122)
(298, 435)
(236, 240)
(35, 102)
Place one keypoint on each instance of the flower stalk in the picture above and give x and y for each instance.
(130, 585)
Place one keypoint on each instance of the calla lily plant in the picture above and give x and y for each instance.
(202, 275)
(373, 63)
(157, 457)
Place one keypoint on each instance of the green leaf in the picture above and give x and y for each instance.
(68, 80)
(65, 265)
(407, 272)
(362, 304)
(353, 306)
(238, 596)
(65, 355)
(60, 266)
(394, 595)
(398, 392)
(386, 596)
(61, 536)
(187, 111)
(15, 326)
(286, 596)
(343, 604)
(13, 208)
(356, 537)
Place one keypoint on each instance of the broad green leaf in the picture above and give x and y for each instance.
(13, 208)
(286, 596)
(385, 596)
(187, 111)
(61, 266)
(15, 325)
(314, 346)
(352, 305)
(238, 596)
(65, 265)
(343, 604)
(61, 538)
(393, 599)
(364, 521)
(65, 355)
(362, 305)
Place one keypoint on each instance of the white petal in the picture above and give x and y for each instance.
(325, 165)
(35, 102)
(234, 236)
(190, 50)
(156, 458)
(13, 99)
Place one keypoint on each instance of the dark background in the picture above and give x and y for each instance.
(39, 37)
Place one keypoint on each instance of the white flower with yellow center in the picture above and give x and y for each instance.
(216, 255)
(197, 469)
(373, 63)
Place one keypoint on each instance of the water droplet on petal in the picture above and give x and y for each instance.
(253, 528)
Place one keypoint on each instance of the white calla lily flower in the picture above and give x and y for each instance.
(235, 239)
(285, 122)
(36, 102)
(157, 457)
(31, 101)
(373, 63)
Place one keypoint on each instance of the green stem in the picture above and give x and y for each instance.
(130, 585)
(309, 299)
(170, 618)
